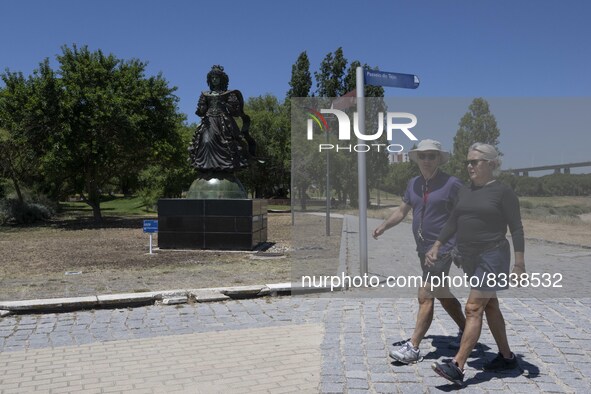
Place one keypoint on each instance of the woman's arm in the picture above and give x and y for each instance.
(201, 106)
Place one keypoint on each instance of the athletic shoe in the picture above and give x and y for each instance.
(406, 354)
(500, 363)
(401, 342)
(449, 371)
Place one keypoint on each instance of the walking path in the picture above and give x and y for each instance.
(325, 342)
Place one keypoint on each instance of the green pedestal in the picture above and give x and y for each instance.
(219, 186)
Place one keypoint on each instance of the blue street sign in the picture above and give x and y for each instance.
(396, 80)
(150, 226)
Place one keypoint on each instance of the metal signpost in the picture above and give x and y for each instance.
(376, 78)
(150, 227)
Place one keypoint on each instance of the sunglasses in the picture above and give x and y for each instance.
(474, 162)
(427, 156)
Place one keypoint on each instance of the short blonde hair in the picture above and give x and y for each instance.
(489, 153)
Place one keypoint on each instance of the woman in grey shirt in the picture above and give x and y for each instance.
(479, 220)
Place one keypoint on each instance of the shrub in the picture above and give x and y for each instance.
(12, 210)
(149, 197)
(45, 202)
(526, 204)
(528, 186)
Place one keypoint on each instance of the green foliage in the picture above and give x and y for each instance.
(95, 119)
(554, 207)
(157, 181)
(330, 79)
(528, 187)
(114, 116)
(15, 211)
(526, 204)
(398, 176)
(149, 198)
(549, 185)
(333, 80)
(18, 158)
(301, 80)
(168, 178)
(477, 125)
(271, 128)
(566, 184)
(114, 205)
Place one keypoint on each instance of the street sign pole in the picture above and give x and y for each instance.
(328, 193)
(361, 174)
(377, 78)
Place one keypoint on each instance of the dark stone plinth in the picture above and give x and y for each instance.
(224, 224)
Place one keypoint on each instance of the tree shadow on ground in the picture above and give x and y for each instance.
(88, 223)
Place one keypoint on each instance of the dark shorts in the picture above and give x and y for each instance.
(489, 269)
(440, 267)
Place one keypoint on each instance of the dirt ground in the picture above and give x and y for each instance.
(566, 231)
(73, 257)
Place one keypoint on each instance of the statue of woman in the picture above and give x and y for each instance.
(219, 144)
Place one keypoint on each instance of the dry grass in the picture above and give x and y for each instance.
(73, 257)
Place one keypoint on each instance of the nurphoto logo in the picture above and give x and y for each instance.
(344, 130)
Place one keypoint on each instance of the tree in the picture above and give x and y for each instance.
(17, 158)
(330, 83)
(398, 176)
(301, 167)
(301, 80)
(477, 125)
(330, 79)
(109, 120)
(270, 127)
(11, 161)
(169, 176)
(44, 124)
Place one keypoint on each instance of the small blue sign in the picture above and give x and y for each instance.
(150, 226)
(396, 80)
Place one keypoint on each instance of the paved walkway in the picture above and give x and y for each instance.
(327, 343)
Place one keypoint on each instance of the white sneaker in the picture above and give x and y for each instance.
(406, 354)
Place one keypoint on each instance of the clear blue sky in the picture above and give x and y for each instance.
(461, 48)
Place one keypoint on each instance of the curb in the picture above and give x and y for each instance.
(126, 300)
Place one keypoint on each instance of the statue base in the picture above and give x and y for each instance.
(216, 186)
(219, 224)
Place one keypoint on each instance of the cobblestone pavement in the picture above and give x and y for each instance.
(328, 343)
(283, 344)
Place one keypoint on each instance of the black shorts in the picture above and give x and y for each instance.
(490, 268)
(441, 266)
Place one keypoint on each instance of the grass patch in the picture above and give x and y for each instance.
(556, 201)
(123, 206)
(278, 207)
(111, 206)
(555, 209)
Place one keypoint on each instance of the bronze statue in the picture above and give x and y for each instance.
(219, 145)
